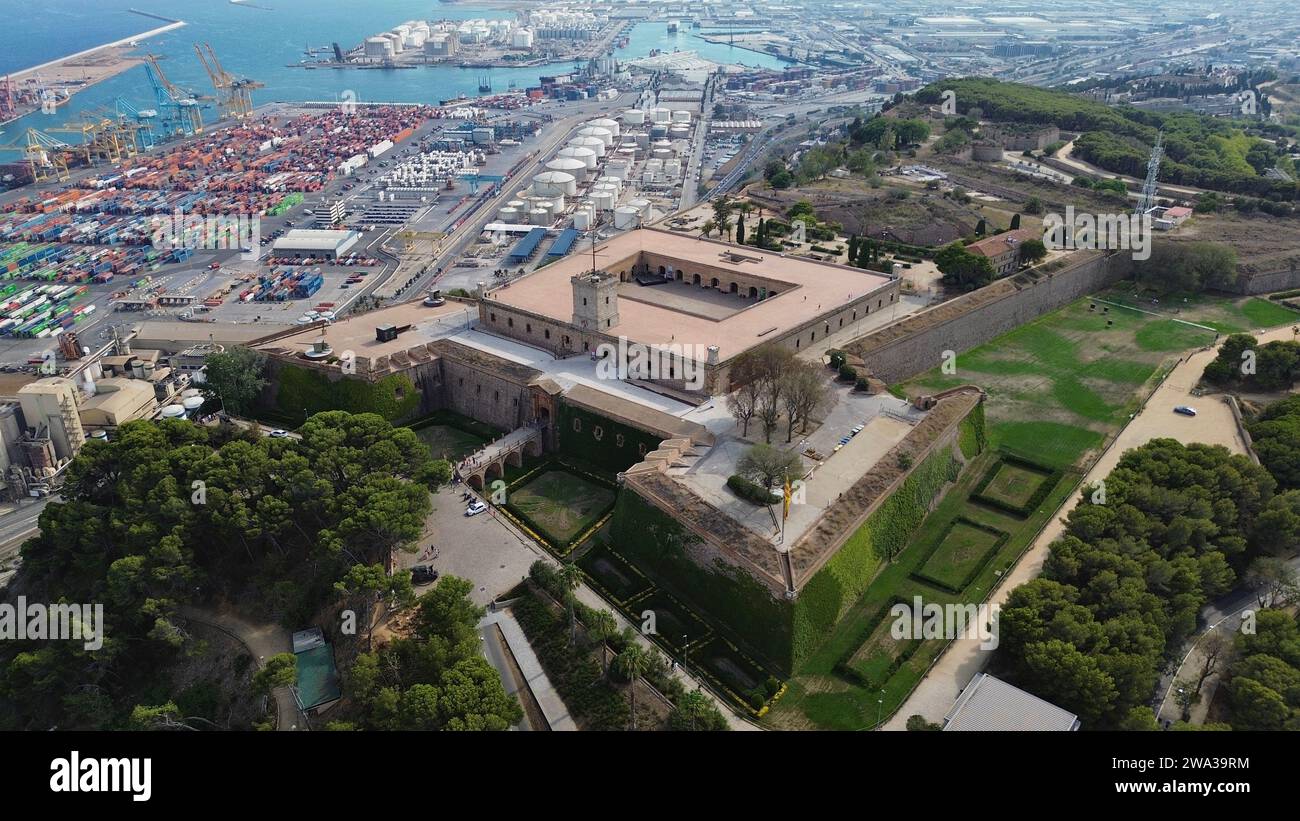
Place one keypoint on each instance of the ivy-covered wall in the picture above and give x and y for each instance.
(657, 544)
(971, 434)
(618, 447)
(829, 594)
(394, 397)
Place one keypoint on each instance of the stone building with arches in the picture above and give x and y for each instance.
(662, 289)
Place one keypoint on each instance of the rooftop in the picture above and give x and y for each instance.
(357, 333)
(806, 289)
(990, 704)
(1000, 243)
(314, 239)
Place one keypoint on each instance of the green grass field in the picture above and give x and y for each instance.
(1015, 484)
(1060, 384)
(562, 504)
(446, 442)
(962, 550)
(819, 697)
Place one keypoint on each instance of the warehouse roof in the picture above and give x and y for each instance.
(315, 239)
(990, 703)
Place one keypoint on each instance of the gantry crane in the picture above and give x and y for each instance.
(140, 121)
(234, 95)
(179, 110)
(46, 156)
(101, 138)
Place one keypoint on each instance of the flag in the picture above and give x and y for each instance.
(785, 507)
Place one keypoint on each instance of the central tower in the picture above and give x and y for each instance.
(595, 301)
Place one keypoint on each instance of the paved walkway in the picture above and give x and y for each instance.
(553, 707)
(1213, 424)
(262, 642)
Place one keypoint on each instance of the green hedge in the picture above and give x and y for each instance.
(1050, 479)
(394, 397)
(826, 597)
(605, 453)
(920, 575)
(749, 491)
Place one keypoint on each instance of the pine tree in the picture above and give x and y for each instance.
(740, 229)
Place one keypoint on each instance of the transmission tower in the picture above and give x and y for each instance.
(1148, 200)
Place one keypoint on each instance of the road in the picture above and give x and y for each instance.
(1213, 424)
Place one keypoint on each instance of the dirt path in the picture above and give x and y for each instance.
(262, 642)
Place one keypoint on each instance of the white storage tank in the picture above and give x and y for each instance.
(683, 117)
(378, 47)
(605, 136)
(604, 198)
(606, 123)
(679, 132)
(642, 207)
(509, 214)
(516, 204)
(586, 155)
(660, 115)
(641, 140)
(550, 183)
(662, 154)
(613, 182)
(634, 116)
(173, 412)
(570, 165)
(539, 216)
(582, 220)
(618, 169)
(625, 217)
(673, 168)
(595, 144)
(192, 404)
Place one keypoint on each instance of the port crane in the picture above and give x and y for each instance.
(234, 95)
(139, 121)
(46, 156)
(180, 111)
(101, 139)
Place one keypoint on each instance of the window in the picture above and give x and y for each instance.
(496, 396)
(510, 322)
(460, 383)
(796, 343)
(478, 390)
(548, 333)
(577, 424)
(528, 327)
(813, 337)
(584, 300)
(492, 316)
(618, 439)
(607, 323)
(606, 300)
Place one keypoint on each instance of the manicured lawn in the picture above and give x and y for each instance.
(1060, 384)
(615, 574)
(562, 504)
(961, 551)
(1015, 484)
(1264, 313)
(446, 442)
(819, 697)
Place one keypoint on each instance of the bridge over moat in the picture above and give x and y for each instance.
(480, 469)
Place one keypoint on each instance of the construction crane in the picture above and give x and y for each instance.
(46, 156)
(234, 95)
(179, 110)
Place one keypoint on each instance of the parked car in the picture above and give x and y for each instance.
(475, 508)
(279, 433)
(423, 574)
(1185, 410)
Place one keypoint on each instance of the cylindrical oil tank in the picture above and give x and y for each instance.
(539, 216)
(662, 154)
(554, 182)
(586, 155)
(509, 214)
(642, 206)
(625, 216)
(605, 136)
(683, 117)
(582, 220)
(658, 132)
(679, 132)
(173, 412)
(595, 144)
(660, 115)
(516, 204)
(604, 198)
(569, 165)
(614, 182)
(606, 123)
(634, 116)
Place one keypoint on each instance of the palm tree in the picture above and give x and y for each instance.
(633, 663)
(570, 577)
(707, 227)
(601, 627)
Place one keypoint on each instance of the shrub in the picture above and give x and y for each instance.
(861, 384)
(837, 360)
(749, 491)
(848, 373)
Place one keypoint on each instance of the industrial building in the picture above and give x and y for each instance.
(315, 243)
